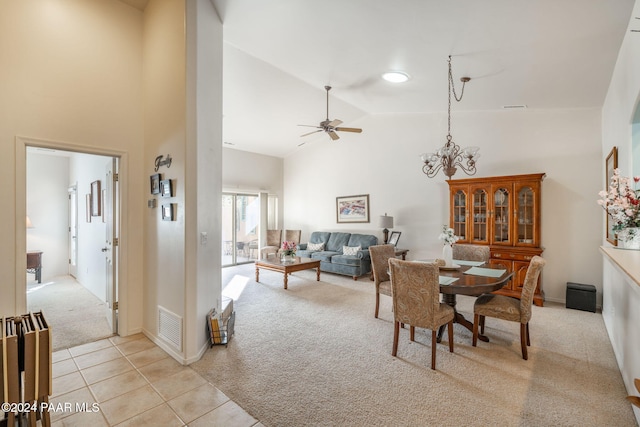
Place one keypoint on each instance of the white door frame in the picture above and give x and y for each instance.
(72, 232)
(21, 212)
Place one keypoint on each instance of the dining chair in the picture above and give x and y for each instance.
(380, 256)
(509, 308)
(471, 252)
(415, 292)
(292, 236)
(274, 240)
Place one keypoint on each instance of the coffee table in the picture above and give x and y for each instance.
(288, 267)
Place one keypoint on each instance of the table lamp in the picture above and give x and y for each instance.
(385, 222)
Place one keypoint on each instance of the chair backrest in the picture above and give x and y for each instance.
(471, 252)
(529, 287)
(274, 238)
(415, 291)
(380, 255)
(292, 236)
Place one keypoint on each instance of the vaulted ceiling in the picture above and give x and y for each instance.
(279, 55)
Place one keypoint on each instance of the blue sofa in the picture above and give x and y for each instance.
(333, 260)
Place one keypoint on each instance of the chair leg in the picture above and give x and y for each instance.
(434, 338)
(450, 336)
(377, 304)
(528, 336)
(396, 332)
(476, 320)
(412, 333)
(482, 325)
(523, 340)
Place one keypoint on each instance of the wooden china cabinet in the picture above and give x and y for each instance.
(504, 213)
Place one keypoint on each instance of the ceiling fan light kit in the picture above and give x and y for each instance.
(450, 156)
(330, 126)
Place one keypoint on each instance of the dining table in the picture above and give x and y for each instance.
(469, 278)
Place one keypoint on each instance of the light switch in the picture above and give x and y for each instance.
(203, 238)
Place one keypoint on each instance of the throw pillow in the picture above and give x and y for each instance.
(315, 246)
(351, 250)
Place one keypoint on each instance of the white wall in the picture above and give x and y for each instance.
(622, 299)
(384, 162)
(47, 207)
(71, 75)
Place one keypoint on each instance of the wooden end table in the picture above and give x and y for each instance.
(288, 267)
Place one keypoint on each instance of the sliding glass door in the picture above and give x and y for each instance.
(240, 228)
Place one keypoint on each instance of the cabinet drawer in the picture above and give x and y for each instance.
(514, 256)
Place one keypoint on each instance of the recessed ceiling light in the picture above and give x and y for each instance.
(396, 76)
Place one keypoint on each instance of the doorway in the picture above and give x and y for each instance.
(73, 209)
(240, 228)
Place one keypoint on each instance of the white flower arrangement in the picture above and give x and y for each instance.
(448, 235)
(621, 201)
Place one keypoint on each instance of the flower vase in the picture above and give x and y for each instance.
(447, 255)
(629, 238)
(288, 258)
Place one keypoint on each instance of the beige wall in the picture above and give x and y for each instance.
(70, 77)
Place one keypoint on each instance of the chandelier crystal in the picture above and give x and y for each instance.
(450, 156)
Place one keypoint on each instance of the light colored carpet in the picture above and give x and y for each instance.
(315, 355)
(75, 315)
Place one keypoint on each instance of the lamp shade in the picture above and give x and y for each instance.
(385, 221)
(29, 224)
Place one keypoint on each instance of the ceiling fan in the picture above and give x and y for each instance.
(330, 126)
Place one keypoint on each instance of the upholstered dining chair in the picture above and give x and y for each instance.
(471, 252)
(274, 239)
(380, 256)
(509, 308)
(416, 302)
(292, 236)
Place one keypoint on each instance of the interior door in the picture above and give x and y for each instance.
(73, 230)
(110, 208)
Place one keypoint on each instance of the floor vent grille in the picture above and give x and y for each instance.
(170, 327)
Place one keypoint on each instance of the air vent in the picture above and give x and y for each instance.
(512, 107)
(170, 327)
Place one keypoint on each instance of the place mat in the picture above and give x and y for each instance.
(446, 280)
(488, 272)
(465, 262)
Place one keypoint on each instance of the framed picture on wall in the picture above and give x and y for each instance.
(352, 208)
(167, 212)
(155, 183)
(165, 188)
(610, 164)
(96, 199)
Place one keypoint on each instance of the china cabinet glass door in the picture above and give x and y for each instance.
(480, 216)
(526, 216)
(460, 214)
(501, 219)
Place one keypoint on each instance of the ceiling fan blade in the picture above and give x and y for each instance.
(315, 131)
(349, 130)
(334, 123)
(311, 126)
(333, 135)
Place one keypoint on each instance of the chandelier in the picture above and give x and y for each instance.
(450, 156)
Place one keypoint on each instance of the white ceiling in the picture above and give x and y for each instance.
(279, 55)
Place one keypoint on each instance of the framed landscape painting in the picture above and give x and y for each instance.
(610, 164)
(352, 209)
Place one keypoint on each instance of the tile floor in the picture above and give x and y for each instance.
(132, 382)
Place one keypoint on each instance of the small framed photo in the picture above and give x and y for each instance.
(167, 212)
(352, 209)
(395, 236)
(88, 200)
(96, 199)
(166, 190)
(155, 183)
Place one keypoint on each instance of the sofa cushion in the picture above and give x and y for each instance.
(346, 260)
(324, 255)
(350, 250)
(337, 241)
(319, 237)
(362, 240)
(315, 246)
